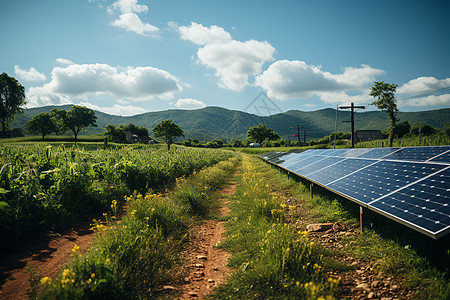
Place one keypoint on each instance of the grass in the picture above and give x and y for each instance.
(272, 260)
(133, 258)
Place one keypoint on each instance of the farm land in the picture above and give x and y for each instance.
(139, 221)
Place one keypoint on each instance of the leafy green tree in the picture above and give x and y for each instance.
(384, 92)
(76, 119)
(139, 130)
(168, 130)
(261, 132)
(42, 124)
(402, 128)
(12, 98)
(236, 143)
(115, 134)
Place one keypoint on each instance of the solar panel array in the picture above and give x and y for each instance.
(410, 185)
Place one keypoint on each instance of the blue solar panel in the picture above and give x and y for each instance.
(442, 158)
(410, 185)
(418, 153)
(377, 153)
(318, 165)
(338, 170)
(293, 158)
(382, 178)
(425, 203)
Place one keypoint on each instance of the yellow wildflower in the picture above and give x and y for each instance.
(46, 280)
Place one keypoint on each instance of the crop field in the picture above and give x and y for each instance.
(51, 187)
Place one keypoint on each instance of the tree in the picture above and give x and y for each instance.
(115, 134)
(76, 119)
(12, 98)
(168, 130)
(402, 128)
(261, 132)
(384, 92)
(43, 124)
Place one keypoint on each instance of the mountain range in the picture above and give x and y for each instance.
(217, 122)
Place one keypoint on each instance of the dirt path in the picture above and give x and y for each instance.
(206, 265)
(47, 257)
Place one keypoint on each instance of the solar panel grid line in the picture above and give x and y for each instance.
(412, 225)
(326, 167)
(439, 155)
(409, 184)
(352, 172)
(396, 151)
(308, 163)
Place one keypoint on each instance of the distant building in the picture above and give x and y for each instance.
(135, 138)
(368, 135)
(255, 145)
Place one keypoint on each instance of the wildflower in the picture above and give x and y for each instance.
(283, 205)
(46, 280)
(76, 248)
(291, 207)
(66, 273)
(133, 212)
(92, 275)
(297, 283)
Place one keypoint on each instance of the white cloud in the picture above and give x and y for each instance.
(133, 83)
(64, 61)
(29, 75)
(127, 6)
(116, 109)
(129, 20)
(233, 61)
(201, 35)
(433, 100)
(286, 80)
(424, 91)
(189, 103)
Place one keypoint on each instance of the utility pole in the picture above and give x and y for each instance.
(298, 134)
(352, 120)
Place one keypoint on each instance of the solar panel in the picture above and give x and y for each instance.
(382, 178)
(339, 170)
(442, 158)
(418, 153)
(424, 203)
(410, 185)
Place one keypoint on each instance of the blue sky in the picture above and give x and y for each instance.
(128, 57)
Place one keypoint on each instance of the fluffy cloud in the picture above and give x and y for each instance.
(424, 91)
(129, 20)
(233, 61)
(126, 6)
(190, 104)
(116, 109)
(138, 83)
(286, 79)
(201, 35)
(64, 61)
(29, 75)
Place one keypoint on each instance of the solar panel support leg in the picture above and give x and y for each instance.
(311, 189)
(361, 218)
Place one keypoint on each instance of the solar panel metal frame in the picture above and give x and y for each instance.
(435, 160)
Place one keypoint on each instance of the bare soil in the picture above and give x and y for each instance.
(46, 257)
(206, 264)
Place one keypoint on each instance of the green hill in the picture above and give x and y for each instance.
(216, 122)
